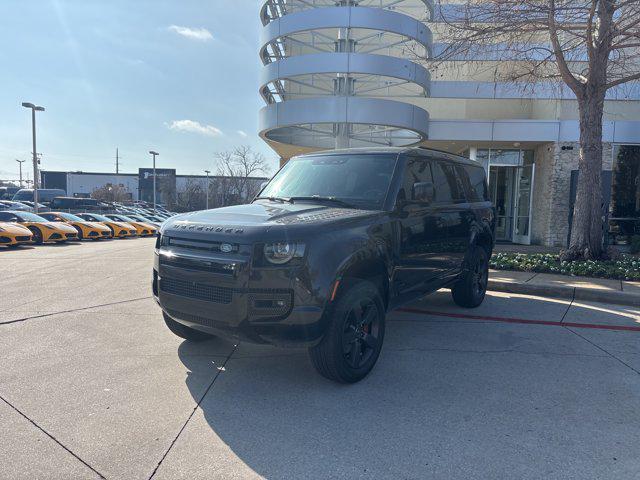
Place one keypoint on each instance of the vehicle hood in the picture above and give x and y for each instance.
(62, 227)
(95, 225)
(261, 217)
(14, 228)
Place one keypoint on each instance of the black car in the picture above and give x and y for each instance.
(331, 243)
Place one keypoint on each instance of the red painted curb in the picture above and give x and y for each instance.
(522, 320)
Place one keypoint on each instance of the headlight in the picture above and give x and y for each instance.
(283, 252)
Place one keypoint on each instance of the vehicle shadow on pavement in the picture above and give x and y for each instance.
(448, 399)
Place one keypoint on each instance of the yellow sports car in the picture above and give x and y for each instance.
(92, 230)
(43, 230)
(144, 229)
(118, 229)
(14, 235)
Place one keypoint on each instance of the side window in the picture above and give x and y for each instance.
(417, 171)
(6, 217)
(475, 183)
(447, 184)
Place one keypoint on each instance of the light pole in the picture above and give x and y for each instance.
(36, 183)
(207, 172)
(20, 162)
(155, 154)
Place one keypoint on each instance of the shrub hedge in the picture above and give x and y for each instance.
(626, 268)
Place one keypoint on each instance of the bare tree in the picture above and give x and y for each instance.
(236, 169)
(191, 197)
(589, 46)
(112, 193)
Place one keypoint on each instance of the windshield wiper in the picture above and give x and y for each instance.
(318, 198)
(275, 199)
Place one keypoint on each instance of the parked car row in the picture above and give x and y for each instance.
(21, 227)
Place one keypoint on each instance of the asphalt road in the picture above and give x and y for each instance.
(92, 385)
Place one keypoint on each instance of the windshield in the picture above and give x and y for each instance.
(31, 217)
(100, 218)
(360, 180)
(71, 218)
(23, 195)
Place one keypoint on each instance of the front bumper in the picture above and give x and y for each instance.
(224, 296)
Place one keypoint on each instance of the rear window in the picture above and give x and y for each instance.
(473, 181)
(447, 184)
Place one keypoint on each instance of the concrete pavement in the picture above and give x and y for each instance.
(604, 290)
(93, 385)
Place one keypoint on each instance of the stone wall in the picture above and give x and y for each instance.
(550, 215)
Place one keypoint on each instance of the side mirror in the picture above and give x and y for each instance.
(422, 192)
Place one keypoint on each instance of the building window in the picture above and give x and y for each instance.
(624, 208)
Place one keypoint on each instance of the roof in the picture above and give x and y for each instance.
(394, 151)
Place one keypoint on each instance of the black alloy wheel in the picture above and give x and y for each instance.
(360, 335)
(470, 290)
(37, 236)
(355, 332)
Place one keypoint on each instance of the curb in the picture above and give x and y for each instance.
(566, 292)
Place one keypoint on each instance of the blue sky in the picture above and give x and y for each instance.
(178, 76)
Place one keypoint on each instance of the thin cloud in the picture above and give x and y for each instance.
(192, 126)
(200, 34)
(242, 133)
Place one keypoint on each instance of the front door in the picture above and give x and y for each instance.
(501, 187)
(522, 209)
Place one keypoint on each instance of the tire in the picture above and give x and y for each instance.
(80, 235)
(353, 340)
(470, 290)
(37, 236)
(185, 332)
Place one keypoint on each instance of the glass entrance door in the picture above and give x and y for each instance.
(501, 187)
(511, 178)
(523, 196)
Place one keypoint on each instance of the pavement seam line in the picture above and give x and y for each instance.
(17, 410)
(605, 351)
(195, 409)
(573, 298)
(35, 317)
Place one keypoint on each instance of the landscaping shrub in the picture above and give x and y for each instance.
(625, 268)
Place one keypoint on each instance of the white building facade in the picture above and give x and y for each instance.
(354, 73)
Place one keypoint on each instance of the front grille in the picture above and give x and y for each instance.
(5, 240)
(70, 235)
(93, 234)
(198, 291)
(201, 265)
(106, 234)
(202, 245)
(23, 238)
(55, 236)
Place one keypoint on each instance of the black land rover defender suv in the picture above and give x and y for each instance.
(330, 244)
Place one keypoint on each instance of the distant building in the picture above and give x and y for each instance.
(169, 186)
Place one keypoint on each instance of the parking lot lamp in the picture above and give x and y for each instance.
(20, 162)
(36, 183)
(155, 154)
(207, 172)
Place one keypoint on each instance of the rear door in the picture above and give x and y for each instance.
(451, 204)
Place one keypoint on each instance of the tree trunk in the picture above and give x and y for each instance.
(586, 231)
